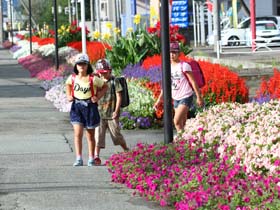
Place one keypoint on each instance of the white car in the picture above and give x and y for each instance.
(266, 32)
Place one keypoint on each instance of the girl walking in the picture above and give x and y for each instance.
(182, 93)
(84, 90)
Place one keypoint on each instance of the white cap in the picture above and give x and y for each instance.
(81, 58)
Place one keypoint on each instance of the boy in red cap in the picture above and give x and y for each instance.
(109, 109)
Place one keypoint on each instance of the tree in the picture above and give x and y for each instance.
(42, 12)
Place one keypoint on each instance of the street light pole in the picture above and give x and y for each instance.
(55, 35)
(166, 72)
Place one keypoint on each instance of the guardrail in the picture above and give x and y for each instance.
(260, 47)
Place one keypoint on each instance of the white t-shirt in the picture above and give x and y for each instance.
(180, 85)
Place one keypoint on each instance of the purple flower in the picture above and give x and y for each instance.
(136, 71)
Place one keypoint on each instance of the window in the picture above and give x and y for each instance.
(104, 9)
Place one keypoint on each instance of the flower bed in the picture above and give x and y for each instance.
(221, 161)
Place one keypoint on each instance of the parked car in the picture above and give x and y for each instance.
(247, 22)
(266, 32)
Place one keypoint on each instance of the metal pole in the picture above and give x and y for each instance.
(97, 9)
(55, 35)
(209, 19)
(194, 23)
(166, 72)
(253, 23)
(30, 23)
(202, 24)
(83, 26)
(11, 18)
(216, 23)
(118, 22)
(197, 22)
(92, 15)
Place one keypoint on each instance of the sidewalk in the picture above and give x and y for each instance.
(36, 153)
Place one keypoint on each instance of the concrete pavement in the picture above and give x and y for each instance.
(36, 153)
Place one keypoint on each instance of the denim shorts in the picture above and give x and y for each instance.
(186, 101)
(85, 113)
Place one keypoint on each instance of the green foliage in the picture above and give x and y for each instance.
(142, 100)
(69, 33)
(127, 123)
(185, 49)
(132, 49)
(42, 12)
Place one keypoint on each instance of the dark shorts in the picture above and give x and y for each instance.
(85, 113)
(186, 101)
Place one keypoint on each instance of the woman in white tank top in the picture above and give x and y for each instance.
(182, 93)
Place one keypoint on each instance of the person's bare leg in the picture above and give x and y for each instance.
(91, 142)
(97, 151)
(78, 135)
(180, 117)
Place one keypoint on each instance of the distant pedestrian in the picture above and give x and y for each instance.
(182, 93)
(81, 89)
(109, 109)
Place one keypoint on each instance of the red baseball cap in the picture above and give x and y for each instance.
(174, 47)
(103, 66)
(100, 71)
